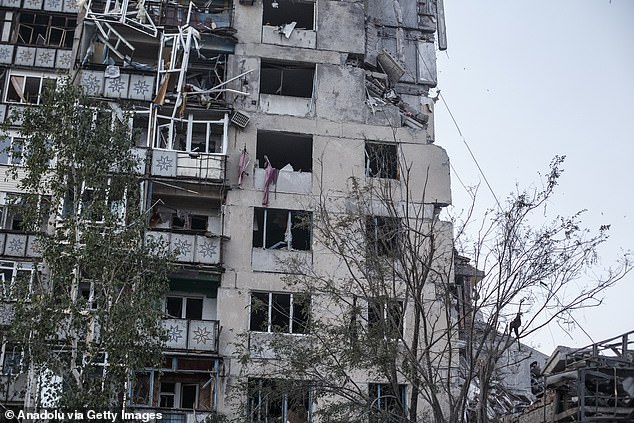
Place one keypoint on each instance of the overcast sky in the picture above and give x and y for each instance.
(528, 80)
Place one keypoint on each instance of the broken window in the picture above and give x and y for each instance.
(184, 308)
(28, 88)
(289, 79)
(189, 395)
(382, 234)
(381, 160)
(385, 318)
(387, 404)
(100, 204)
(13, 207)
(278, 228)
(282, 12)
(275, 400)
(139, 125)
(11, 359)
(45, 30)
(278, 312)
(283, 149)
(167, 394)
(15, 279)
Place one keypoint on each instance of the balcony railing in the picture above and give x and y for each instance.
(18, 244)
(205, 166)
(187, 334)
(189, 248)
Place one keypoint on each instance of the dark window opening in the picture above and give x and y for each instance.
(383, 236)
(277, 229)
(167, 394)
(387, 405)
(381, 160)
(198, 222)
(282, 12)
(295, 80)
(385, 319)
(184, 308)
(188, 396)
(45, 30)
(12, 360)
(275, 400)
(27, 89)
(279, 312)
(282, 149)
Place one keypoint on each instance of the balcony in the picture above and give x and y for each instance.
(198, 335)
(43, 57)
(201, 166)
(18, 244)
(189, 248)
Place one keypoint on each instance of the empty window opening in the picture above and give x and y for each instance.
(184, 308)
(381, 160)
(294, 80)
(277, 229)
(283, 149)
(382, 235)
(167, 394)
(189, 396)
(139, 124)
(45, 30)
(387, 403)
(279, 312)
(275, 400)
(385, 319)
(11, 359)
(27, 89)
(282, 12)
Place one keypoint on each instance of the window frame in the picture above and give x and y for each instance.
(383, 235)
(288, 234)
(7, 288)
(184, 306)
(167, 140)
(268, 309)
(15, 351)
(381, 156)
(259, 400)
(385, 323)
(376, 401)
(22, 98)
(274, 65)
(8, 152)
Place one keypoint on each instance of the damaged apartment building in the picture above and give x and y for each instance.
(242, 113)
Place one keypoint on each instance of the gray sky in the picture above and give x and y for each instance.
(528, 80)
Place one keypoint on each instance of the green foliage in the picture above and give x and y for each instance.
(96, 297)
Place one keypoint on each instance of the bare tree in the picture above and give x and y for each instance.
(393, 335)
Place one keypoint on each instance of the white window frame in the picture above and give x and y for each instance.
(386, 315)
(8, 287)
(288, 236)
(269, 312)
(9, 82)
(4, 353)
(169, 122)
(12, 159)
(185, 300)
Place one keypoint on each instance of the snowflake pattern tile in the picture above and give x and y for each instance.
(91, 84)
(202, 335)
(25, 57)
(141, 87)
(5, 54)
(16, 246)
(208, 249)
(174, 333)
(116, 85)
(182, 246)
(45, 58)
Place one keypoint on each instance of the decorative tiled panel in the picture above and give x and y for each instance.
(33, 4)
(11, 3)
(164, 163)
(6, 314)
(92, 82)
(207, 250)
(116, 87)
(32, 249)
(25, 56)
(45, 57)
(15, 245)
(141, 87)
(176, 333)
(202, 335)
(53, 5)
(64, 58)
(188, 247)
(183, 246)
(6, 53)
(70, 6)
(17, 114)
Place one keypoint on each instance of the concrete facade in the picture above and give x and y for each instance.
(310, 84)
